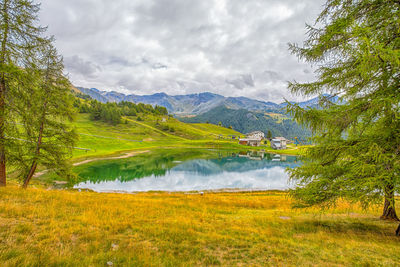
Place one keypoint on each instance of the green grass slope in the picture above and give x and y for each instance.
(102, 139)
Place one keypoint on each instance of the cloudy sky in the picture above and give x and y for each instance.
(229, 47)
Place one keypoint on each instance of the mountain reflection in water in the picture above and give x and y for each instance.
(245, 170)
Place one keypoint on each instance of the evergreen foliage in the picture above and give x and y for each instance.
(113, 112)
(269, 135)
(356, 48)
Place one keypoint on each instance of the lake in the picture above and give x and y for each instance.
(188, 170)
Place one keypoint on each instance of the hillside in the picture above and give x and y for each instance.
(247, 121)
(99, 138)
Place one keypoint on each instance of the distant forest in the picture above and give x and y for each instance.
(112, 112)
(246, 121)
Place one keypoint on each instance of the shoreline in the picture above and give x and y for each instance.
(192, 192)
(123, 156)
(132, 153)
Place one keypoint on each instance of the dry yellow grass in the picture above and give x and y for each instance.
(66, 228)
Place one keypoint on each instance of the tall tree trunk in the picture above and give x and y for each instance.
(3, 176)
(389, 210)
(37, 152)
(30, 174)
(39, 140)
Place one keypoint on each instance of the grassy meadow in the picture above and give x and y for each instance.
(104, 140)
(41, 227)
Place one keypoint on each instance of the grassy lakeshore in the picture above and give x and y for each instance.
(69, 228)
(99, 140)
(103, 140)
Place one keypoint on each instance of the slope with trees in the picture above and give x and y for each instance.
(246, 121)
(112, 112)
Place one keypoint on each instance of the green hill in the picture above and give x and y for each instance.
(97, 138)
(114, 128)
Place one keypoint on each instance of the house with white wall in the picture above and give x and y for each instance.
(255, 135)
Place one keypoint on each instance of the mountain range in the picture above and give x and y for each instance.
(191, 104)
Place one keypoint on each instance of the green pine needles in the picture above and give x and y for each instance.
(355, 47)
(35, 97)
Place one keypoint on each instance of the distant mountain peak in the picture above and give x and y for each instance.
(162, 94)
(190, 104)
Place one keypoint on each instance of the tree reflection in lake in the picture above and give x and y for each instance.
(186, 170)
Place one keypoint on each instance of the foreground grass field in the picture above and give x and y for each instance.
(67, 228)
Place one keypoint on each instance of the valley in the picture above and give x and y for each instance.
(242, 114)
(199, 133)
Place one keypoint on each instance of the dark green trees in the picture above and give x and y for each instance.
(105, 112)
(356, 49)
(269, 135)
(113, 112)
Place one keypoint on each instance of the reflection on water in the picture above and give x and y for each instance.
(189, 171)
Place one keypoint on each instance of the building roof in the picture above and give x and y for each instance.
(255, 132)
(250, 139)
(281, 138)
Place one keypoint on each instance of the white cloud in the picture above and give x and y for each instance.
(230, 47)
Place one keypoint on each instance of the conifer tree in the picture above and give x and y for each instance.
(269, 135)
(355, 47)
(44, 112)
(19, 36)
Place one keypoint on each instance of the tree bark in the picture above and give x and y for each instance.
(3, 175)
(389, 210)
(30, 174)
(37, 153)
(40, 137)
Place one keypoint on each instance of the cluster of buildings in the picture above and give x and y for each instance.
(255, 138)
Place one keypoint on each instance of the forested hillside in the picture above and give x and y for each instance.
(246, 121)
(112, 112)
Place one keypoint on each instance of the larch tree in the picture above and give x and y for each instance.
(35, 98)
(19, 36)
(45, 111)
(355, 48)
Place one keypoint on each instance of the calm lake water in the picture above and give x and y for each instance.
(190, 170)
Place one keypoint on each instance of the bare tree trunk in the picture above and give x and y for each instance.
(389, 210)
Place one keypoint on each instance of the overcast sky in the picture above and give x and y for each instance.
(229, 47)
